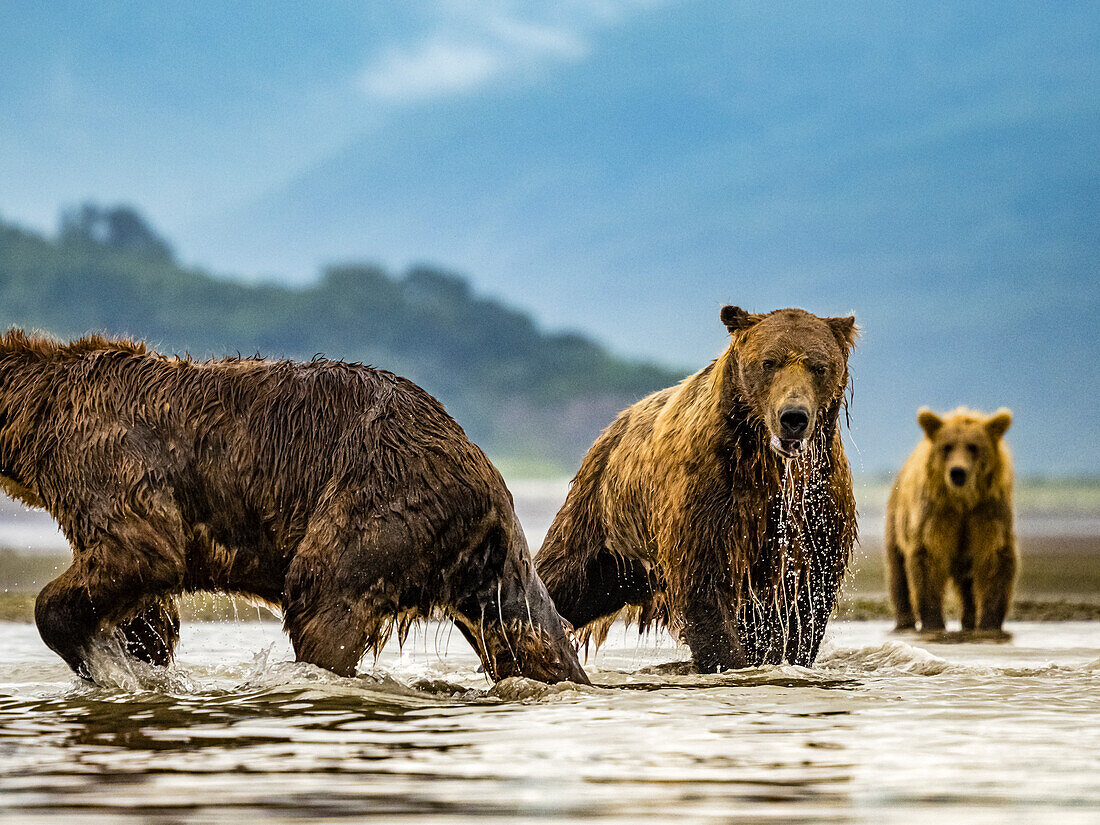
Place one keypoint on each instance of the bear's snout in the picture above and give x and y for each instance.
(794, 421)
(958, 476)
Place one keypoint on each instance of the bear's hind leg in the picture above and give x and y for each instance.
(152, 635)
(127, 564)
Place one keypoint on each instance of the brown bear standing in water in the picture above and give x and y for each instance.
(722, 506)
(341, 494)
(950, 517)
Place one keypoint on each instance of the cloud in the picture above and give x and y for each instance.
(535, 40)
(474, 44)
(431, 69)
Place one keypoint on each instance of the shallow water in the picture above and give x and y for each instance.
(884, 728)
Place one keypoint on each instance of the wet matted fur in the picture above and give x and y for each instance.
(697, 510)
(949, 519)
(343, 495)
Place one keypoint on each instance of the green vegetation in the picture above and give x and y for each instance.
(534, 398)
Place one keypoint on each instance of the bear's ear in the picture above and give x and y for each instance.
(736, 319)
(998, 423)
(929, 422)
(845, 331)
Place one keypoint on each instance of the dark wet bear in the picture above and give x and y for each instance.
(723, 506)
(949, 519)
(341, 494)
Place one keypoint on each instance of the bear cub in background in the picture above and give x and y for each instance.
(950, 517)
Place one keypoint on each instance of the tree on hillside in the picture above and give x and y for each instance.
(119, 228)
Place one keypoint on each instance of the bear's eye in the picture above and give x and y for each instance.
(946, 450)
(972, 449)
(818, 369)
(768, 364)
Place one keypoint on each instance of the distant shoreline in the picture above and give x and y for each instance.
(209, 607)
(1059, 581)
(1058, 526)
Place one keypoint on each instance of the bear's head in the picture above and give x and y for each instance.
(965, 448)
(791, 368)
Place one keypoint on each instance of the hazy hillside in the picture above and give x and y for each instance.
(524, 394)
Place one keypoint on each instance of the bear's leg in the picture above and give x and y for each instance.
(813, 606)
(128, 559)
(324, 611)
(760, 629)
(992, 548)
(993, 588)
(325, 606)
(67, 620)
(152, 634)
(898, 581)
(607, 583)
(966, 595)
(928, 578)
(77, 605)
(586, 580)
(326, 630)
(763, 631)
(345, 583)
(711, 633)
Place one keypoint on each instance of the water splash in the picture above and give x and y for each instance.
(792, 583)
(110, 667)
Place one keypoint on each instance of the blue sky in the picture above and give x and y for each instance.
(191, 110)
(623, 168)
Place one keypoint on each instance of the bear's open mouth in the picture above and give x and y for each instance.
(788, 447)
